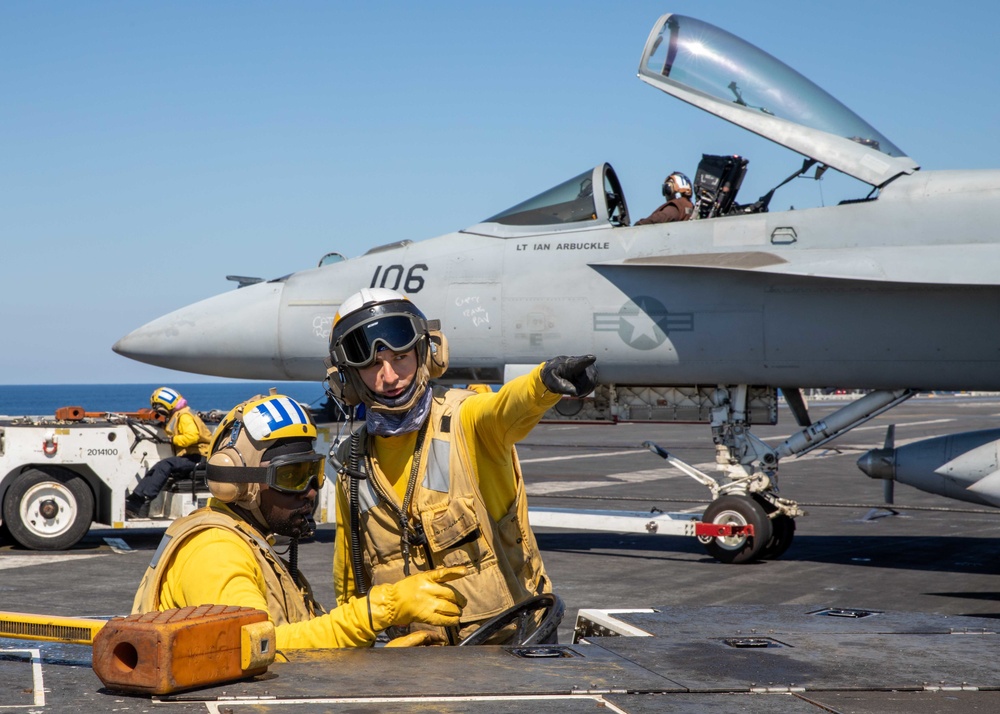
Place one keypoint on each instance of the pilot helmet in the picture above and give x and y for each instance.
(266, 429)
(165, 400)
(676, 183)
(375, 319)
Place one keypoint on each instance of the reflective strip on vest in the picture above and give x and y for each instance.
(367, 498)
(437, 477)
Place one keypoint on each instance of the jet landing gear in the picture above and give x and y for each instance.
(747, 520)
(763, 523)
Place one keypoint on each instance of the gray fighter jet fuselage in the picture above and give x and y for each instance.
(770, 298)
(895, 292)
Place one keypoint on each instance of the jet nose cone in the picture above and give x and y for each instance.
(879, 463)
(229, 335)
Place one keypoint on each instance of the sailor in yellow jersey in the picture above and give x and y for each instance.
(189, 438)
(264, 477)
(432, 479)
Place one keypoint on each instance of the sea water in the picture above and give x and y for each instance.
(44, 399)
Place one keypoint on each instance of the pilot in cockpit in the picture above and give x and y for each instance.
(677, 191)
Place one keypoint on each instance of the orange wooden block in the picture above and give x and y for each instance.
(173, 650)
(69, 413)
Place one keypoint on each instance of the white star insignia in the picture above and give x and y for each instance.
(642, 326)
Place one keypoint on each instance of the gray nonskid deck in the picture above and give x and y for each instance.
(712, 662)
(924, 575)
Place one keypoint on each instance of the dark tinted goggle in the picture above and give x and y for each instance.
(398, 333)
(293, 473)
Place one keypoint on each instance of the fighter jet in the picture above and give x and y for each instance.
(703, 319)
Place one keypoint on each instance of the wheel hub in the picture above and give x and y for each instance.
(48, 508)
(729, 518)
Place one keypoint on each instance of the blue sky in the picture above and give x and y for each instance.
(147, 150)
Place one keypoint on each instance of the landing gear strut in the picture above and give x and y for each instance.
(750, 496)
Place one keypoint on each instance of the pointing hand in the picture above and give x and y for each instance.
(574, 376)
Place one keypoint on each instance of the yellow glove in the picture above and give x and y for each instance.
(420, 638)
(418, 598)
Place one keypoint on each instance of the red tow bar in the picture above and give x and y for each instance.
(722, 530)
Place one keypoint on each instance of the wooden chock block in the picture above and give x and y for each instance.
(70, 413)
(174, 650)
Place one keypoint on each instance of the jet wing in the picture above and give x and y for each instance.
(939, 265)
(713, 70)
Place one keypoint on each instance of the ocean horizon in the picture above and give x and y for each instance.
(44, 399)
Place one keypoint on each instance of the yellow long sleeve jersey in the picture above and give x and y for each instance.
(215, 566)
(492, 423)
(188, 433)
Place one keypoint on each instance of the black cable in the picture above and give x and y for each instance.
(406, 530)
(357, 561)
(293, 561)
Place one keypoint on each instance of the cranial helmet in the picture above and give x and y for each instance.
(375, 319)
(272, 429)
(676, 183)
(165, 400)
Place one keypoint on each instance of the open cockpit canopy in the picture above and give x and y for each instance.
(736, 81)
(732, 79)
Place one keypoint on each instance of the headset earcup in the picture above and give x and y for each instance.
(340, 386)
(437, 362)
(226, 492)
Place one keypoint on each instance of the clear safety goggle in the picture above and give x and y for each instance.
(398, 332)
(293, 473)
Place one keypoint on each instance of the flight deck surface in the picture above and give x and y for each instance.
(929, 579)
(783, 658)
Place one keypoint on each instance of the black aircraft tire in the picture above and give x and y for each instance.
(782, 530)
(48, 511)
(737, 511)
(782, 534)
